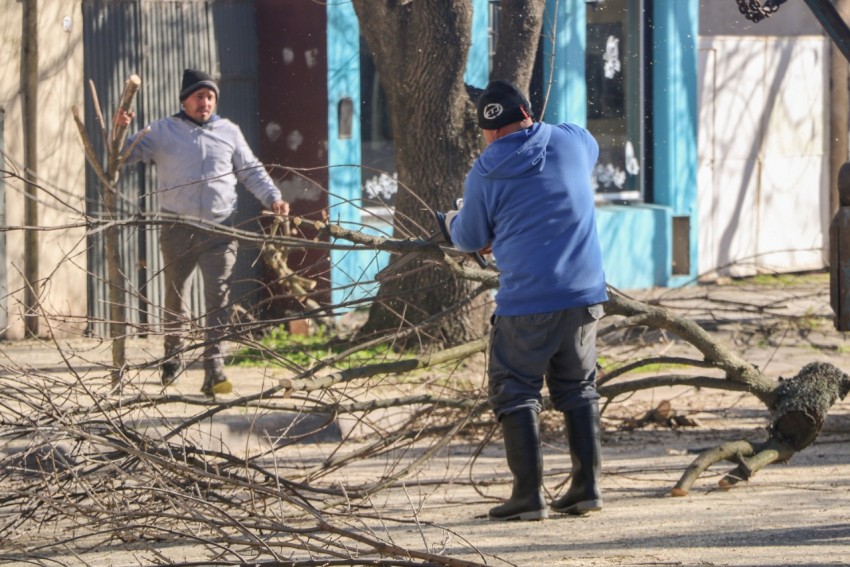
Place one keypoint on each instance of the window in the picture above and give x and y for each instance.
(376, 131)
(379, 177)
(494, 7)
(614, 71)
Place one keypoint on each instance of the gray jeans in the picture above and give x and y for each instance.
(183, 248)
(558, 347)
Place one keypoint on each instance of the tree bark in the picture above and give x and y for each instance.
(108, 178)
(520, 25)
(420, 51)
(117, 279)
(801, 403)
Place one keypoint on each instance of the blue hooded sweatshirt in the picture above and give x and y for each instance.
(529, 195)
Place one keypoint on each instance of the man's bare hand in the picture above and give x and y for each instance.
(280, 208)
(123, 118)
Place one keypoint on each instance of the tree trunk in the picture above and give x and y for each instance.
(520, 26)
(420, 51)
(802, 403)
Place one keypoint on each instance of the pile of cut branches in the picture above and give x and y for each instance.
(155, 472)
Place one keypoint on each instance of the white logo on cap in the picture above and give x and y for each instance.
(492, 110)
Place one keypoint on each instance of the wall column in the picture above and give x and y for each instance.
(675, 115)
(564, 82)
(344, 152)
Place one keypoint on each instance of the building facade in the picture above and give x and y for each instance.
(713, 131)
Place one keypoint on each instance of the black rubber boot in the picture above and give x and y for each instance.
(583, 432)
(525, 460)
(171, 370)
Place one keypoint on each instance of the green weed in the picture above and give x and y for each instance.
(307, 350)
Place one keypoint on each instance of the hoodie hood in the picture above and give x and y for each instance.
(516, 154)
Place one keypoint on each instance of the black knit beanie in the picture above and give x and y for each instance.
(194, 80)
(501, 104)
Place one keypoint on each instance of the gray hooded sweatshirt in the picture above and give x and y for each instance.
(198, 166)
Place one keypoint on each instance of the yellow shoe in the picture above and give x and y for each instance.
(216, 385)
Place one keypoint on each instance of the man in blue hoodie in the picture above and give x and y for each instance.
(529, 196)
(199, 157)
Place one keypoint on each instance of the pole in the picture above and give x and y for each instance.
(117, 281)
(839, 121)
(839, 254)
(30, 116)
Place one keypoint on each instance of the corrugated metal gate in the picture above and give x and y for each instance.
(157, 39)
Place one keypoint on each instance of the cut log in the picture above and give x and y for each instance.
(799, 408)
(802, 403)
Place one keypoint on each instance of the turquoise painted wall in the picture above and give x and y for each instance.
(563, 62)
(637, 239)
(675, 33)
(478, 62)
(344, 201)
(635, 242)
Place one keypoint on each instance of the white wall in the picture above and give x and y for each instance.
(60, 168)
(763, 154)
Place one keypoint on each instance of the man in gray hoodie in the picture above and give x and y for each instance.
(199, 158)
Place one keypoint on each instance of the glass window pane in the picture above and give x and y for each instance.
(614, 73)
(378, 174)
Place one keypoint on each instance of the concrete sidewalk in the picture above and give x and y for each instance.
(774, 323)
(794, 514)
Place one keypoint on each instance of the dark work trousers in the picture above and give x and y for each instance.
(558, 347)
(183, 248)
